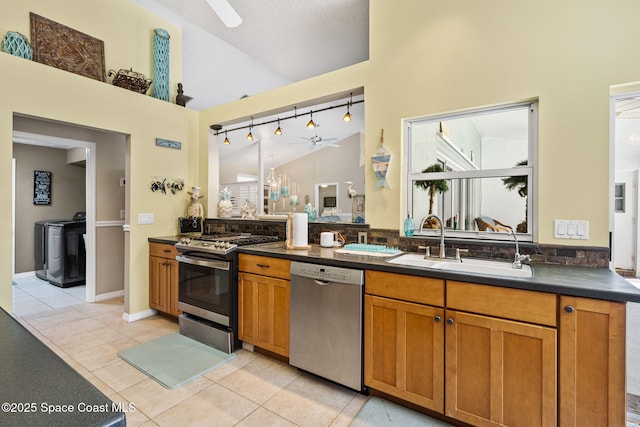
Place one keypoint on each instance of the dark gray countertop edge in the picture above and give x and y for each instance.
(588, 282)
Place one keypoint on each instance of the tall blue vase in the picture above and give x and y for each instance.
(161, 64)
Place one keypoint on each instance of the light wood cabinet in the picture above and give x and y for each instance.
(404, 350)
(500, 372)
(404, 341)
(592, 362)
(497, 356)
(163, 278)
(263, 302)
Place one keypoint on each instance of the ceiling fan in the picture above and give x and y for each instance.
(225, 12)
(318, 141)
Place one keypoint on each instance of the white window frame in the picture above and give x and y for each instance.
(529, 170)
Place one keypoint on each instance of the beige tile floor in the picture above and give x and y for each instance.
(251, 390)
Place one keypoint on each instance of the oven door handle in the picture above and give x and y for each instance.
(204, 262)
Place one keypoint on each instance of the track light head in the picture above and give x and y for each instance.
(226, 139)
(347, 117)
(278, 131)
(249, 136)
(311, 124)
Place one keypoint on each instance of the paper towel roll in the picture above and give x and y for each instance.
(300, 229)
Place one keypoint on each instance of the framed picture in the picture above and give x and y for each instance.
(67, 49)
(42, 187)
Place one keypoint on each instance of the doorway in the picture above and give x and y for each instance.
(625, 169)
(88, 157)
(106, 177)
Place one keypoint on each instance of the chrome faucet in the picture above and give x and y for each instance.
(441, 253)
(517, 262)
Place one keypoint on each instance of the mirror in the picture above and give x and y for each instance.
(327, 203)
(332, 152)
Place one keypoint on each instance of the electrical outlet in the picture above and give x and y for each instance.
(362, 237)
(145, 218)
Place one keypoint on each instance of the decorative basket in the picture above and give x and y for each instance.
(131, 80)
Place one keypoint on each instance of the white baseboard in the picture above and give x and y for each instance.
(24, 274)
(139, 315)
(109, 295)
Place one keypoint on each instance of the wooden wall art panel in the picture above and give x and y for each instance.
(62, 47)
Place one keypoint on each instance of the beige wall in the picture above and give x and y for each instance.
(429, 57)
(67, 195)
(426, 57)
(45, 92)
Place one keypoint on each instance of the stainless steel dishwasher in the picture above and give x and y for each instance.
(326, 322)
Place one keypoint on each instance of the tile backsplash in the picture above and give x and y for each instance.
(551, 254)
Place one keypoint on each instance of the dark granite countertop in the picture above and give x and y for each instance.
(171, 240)
(40, 389)
(589, 282)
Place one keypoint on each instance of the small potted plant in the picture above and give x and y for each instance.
(433, 186)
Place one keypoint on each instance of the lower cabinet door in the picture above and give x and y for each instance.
(158, 284)
(592, 362)
(404, 350)
(263, 306)
(500, 372)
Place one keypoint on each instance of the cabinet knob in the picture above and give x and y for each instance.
(437, 319)
(450, 321)
(569, 309)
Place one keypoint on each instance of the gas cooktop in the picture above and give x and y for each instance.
(221, 243)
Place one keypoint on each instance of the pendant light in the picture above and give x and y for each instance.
(311, 123)
(250, 135)
(347, 117)
(226, 139)
(278, 131)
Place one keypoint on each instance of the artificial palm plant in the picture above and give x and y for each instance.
(433, 186)
(519, 183)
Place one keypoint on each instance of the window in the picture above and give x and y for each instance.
(475, 170)
(619, 197)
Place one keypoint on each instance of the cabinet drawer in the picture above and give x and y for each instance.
(422, 290)
(265, 266)
(515, 304)
(162, 250)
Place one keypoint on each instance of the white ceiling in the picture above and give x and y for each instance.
(279, 42)
(283, 41)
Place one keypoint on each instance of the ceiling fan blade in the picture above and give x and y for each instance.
(225, 12)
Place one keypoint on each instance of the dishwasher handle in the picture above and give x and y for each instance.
(322, 282)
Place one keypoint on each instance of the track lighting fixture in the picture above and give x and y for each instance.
(311, 123)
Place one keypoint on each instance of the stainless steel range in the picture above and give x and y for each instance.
(208, 287)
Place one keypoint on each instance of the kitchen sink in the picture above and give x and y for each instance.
(466, 265)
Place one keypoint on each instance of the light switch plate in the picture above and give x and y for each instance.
(570, 229)
(145, 218)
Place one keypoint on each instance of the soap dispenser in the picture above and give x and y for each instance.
(409, 226)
